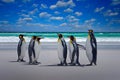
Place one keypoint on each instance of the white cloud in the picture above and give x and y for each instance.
(27, 19)
(72, 25)
(24, 15)
(113, 14)
(110, 13)
(53, 6)
(115, 21)
(43, 6)
(37, 24)
(33, 11)
(56, 12)
(115, 2)
(56, 18)
(4, 22)
(80, 0)
(78, 13)
(90, 20)
(69, 3)
(68, 10)
(63, 24)
(24, 20)
(25, 1)
(35, 5)
(23, 10)
(44, 14)
(99, 9)
(72, 19)
(8, 1)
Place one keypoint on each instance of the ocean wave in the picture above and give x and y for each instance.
(79, 39)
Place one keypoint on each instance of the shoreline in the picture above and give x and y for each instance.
(53, 45)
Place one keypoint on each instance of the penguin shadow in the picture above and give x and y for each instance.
(27, 63)
(56, 65)
(13, 61)
(53, 65)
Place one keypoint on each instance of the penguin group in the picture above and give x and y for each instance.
(34, 49)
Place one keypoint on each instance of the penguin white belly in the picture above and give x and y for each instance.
(38, 51)
(89, 50)
(23, 50)
(60, 51)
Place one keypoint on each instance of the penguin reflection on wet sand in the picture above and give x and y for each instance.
(94, 47)
(75, 52)
(21, 48)
(31, 50)
(62, 50)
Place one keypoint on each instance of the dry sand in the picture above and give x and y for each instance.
(108, 66)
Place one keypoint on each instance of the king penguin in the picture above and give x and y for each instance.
(21, 48)
(62, 50)
(94, 47)
(91, 48)
(37, 50)
(75, 52)
(31, 50)
(71, 48)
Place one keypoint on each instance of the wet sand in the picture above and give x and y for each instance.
(108, 66)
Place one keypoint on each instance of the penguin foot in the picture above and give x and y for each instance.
(18, 60)
(35, 63)
(72, 64)
(65, 64)
(30, 63)
(38, 62)
(60, 64)
(89, 64)
(78, 64)
(23, 60)
(95, 63)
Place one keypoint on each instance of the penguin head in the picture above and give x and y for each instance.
(72, 38)
(90, 31)
(60, 35)
(38, 38)
(21, 36)
(34, 37)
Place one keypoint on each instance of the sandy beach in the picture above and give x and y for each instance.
(108, 65)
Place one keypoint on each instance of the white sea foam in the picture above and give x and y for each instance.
(79, 39)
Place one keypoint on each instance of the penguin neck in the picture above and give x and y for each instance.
(38, 42)
(22, 39)
(70, 41)
(59, 39)
(88, 36)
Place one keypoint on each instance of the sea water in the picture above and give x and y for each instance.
(52, 36)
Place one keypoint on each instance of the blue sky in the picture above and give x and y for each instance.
(59, 15)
